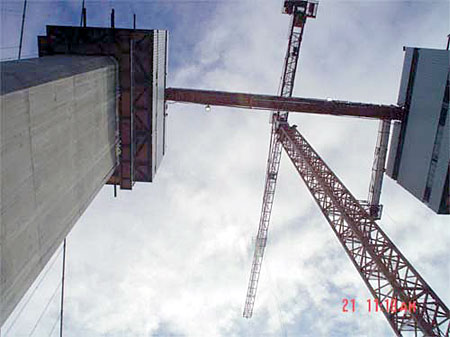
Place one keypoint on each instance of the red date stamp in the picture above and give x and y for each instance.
(373, 305)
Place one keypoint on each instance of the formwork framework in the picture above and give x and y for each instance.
(141, 68)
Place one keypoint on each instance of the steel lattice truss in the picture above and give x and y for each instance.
(273, 163)
(291, 60)
(384, 269)
(141, 96)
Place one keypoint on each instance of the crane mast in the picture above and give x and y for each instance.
(299, 11)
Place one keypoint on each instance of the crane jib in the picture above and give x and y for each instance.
(297, 10)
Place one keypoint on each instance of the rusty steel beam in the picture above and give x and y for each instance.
(291, 104)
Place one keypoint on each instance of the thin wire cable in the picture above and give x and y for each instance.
(81, 19)
(33, 292)
(45, 309)
(62, 288)
(54, 325)
(21, 30)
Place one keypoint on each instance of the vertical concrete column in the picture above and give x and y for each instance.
(58, 139)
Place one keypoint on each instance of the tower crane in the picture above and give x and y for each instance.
(389, 277)
(386, 272)
(299, 11)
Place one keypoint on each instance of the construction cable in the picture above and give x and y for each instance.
(21, 30)
(81, 19)
(33, 292)
(45, 309)
(62, 288)
(54, 325)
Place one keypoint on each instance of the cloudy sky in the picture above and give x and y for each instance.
(172, 258)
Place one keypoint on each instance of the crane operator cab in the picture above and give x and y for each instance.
(301, 10)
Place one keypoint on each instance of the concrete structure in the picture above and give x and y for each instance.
(58, 148)
(419, 155)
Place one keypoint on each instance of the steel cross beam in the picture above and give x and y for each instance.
(285, 103)
(386, 272)
(298, 20)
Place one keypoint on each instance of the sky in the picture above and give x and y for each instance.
(173, 258)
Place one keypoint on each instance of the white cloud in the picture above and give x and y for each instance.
(174, 256)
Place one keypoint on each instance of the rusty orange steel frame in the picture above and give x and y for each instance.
(132, 50)
(384, 269)
(291, 104)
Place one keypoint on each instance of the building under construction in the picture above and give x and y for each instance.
(91, 110)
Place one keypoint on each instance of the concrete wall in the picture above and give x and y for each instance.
(58, 123)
